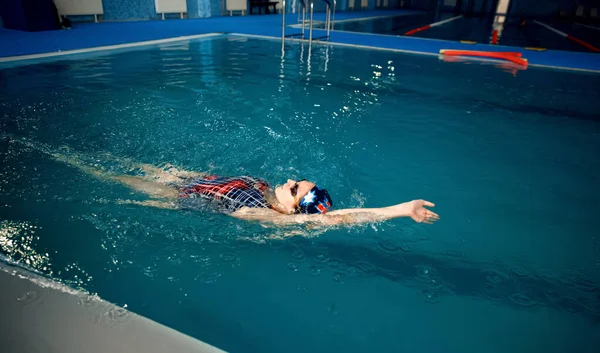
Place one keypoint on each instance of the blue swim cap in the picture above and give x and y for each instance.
(317, 200)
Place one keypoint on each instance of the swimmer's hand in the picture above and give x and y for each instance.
(420, 214)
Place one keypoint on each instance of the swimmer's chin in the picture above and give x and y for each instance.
(269, 192)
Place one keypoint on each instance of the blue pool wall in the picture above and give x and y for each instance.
(130, 9)
(201, 8)
(144, 9)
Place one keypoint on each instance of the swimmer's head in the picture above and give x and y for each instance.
(303, 197)
(317, 200)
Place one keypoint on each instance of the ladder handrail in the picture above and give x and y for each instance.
(328, 18)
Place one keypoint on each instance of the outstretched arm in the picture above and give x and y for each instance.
(414, 209)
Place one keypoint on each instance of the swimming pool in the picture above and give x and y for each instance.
(510, 162)
(476, 29)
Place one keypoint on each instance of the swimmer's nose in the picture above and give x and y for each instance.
(290, 182)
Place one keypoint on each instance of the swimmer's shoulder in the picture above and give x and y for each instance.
(256, 214)
(256, 211)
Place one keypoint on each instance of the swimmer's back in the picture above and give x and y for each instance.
(229, 193)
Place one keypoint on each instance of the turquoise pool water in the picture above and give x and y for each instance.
(509, 159)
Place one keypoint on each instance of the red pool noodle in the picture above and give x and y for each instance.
(413, 31)
(587, 45)
(510, 56)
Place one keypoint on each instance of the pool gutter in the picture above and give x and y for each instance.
(40, 315)
(106, 47)
(435, 51)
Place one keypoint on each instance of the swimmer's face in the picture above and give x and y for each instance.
(290, 193)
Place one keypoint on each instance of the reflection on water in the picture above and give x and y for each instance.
(17, 241)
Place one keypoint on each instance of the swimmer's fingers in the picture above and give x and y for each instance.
(429, 204)
(431, 217)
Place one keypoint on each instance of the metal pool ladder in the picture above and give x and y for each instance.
(329, 19)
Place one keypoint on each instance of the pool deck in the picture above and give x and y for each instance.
(18, 45)
(67, 320)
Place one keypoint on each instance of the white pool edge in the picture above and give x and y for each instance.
(41, 315)
(106, 47)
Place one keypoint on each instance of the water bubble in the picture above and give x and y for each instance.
(338, 277)
(322, 258)
(425, 272)
(431, 296)
(292, 266)
(429, 276)
(314, 270)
